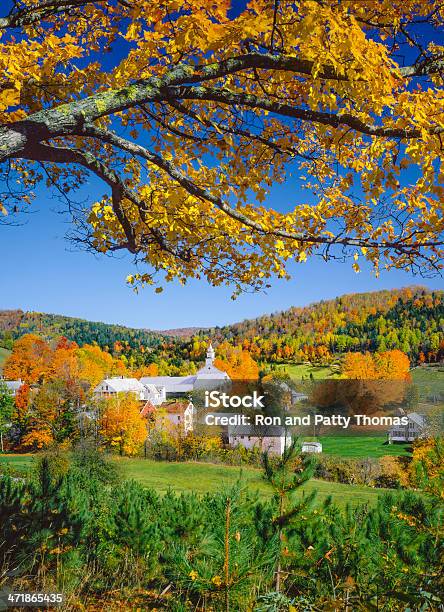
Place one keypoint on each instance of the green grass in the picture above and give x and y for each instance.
(300, 371)
(4, 353)
(429, 380)
(361, 446)
(204, 477)
(19, 463)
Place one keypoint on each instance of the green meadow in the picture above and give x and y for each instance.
(361, 446)
(305, 371)
(204, 478)
(3, 356)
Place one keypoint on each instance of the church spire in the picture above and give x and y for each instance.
(210, 355)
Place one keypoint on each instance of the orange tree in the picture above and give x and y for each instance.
(121, 424)
(30, 359)
(386, 365)
(202, 107)
(236, 362)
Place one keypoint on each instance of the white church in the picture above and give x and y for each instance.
(208, 377)
(157, 389)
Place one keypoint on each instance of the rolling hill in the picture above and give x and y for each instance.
(410, 319)
(15, 323)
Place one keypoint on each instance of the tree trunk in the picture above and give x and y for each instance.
(278, 568)
(227, 555)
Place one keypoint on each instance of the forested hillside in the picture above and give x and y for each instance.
(15, 323)
(410, 319)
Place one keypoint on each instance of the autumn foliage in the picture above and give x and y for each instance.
(236, 362)
(29, 361)
(121, 424)
(389, 365)
(204, 106)
(34, 360)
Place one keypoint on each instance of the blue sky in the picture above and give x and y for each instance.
(42, 271)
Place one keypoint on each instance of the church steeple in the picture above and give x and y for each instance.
(210, 355)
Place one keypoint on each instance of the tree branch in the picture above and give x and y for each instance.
(225, 96)
(204, 194)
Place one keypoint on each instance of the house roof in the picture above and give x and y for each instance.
(123, 385)
(176, 407)
(172, 384)
(268, 431)
(153, 389)
(419, 419)
(147, 410)
(12, 385)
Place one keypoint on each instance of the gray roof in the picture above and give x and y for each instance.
(258, 431)
(172, 384)
(419, 419)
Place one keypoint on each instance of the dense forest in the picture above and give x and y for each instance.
(409, 319)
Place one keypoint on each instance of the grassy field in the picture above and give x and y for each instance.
(430, 381)
(361, 446)
(204, 477)
(21, 463)
(3, 355)
(300, 371)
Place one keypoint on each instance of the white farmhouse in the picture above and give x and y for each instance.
(120, 384)
(208, 377)
(272, 439)
(415, 428)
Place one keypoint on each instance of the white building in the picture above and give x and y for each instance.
(311, 447)
(272, 439)
(208, 377)
(119, 384)
(415, 428)
(11, 385)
